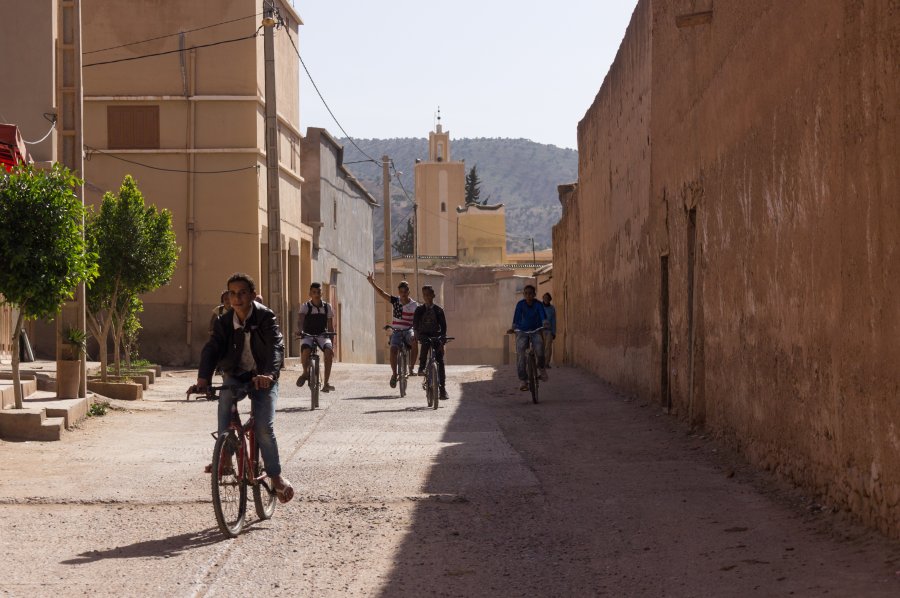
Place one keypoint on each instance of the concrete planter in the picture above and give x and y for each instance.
(123, 391)
(68, 379)
(142, 379)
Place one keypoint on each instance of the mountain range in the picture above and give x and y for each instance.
(521, 174)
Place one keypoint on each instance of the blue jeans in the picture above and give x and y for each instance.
(262, 407)
(537, 342)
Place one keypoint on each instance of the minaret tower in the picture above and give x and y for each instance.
(440, 188)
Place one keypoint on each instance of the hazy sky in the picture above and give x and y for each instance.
(496, 68)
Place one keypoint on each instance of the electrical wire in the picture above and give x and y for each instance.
(152, 39)
(219, 43)
(111, 155)
(327, 107)
(50, 130)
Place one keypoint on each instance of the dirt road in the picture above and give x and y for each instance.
(586, 494)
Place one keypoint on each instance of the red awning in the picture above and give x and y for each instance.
(12, 146)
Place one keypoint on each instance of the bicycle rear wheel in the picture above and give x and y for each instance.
(263, 496)
(533, 380)
(313, 382)
(229, 491)
(434, 388)
(402, 369)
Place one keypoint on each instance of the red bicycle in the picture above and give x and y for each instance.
(237, 465)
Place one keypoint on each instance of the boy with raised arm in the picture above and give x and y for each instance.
(404, 309)
(316, 318)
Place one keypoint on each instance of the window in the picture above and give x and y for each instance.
(334, 212)
(132, 127)
(443, 206)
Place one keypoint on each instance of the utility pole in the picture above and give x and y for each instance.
(70, 148)
(386, 200)
(275, 286)
(416, 246)
(533, 253)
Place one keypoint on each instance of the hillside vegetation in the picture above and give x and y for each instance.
(519, 173)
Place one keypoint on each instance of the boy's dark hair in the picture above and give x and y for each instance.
(240, 276)
(530, 286)
(315, 285)
(427, 287)
(223, 296)
(403, 285)
(549, 296)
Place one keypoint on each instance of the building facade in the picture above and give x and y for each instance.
(338, 209)
(728, 251)
(181, 106)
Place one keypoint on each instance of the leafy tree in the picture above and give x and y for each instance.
(473, 186)
(42, 248)
(136, 252)
(405, 243)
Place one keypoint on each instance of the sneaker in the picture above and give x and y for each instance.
(393, 380)
(524, 387)
(544, 376)
(327, 387)
(301, 380)
(421, 372)
(444, 395)
(549, 366)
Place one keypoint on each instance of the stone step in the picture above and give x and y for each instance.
(8, 392)
(30, 423)
(71, 410)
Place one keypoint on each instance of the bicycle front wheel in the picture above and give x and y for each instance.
(533, 379)
(314, 382)
(263, 496)
(402, 369)
(434, 389)
(229, 491)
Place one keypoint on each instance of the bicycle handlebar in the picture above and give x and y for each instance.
(308, 335)
(429, 339)
(211, 392)
(389, 327)
(536, 330)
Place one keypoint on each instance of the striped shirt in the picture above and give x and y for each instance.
(403, 314)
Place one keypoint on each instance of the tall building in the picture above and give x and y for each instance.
(440, 188)
(176, 98)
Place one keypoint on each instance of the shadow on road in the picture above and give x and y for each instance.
(162, 548)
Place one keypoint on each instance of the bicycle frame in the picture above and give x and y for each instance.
(431, 373)
(402, 360)
(246, 443)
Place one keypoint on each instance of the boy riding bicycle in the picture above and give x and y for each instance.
(430, 324)
(404, 309)
(316, 318)
(247, 346)
(531, 318)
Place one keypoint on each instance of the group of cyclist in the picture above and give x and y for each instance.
(411, 321)
(247, 347)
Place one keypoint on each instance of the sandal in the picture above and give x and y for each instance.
(327, 388)
(283, 490)
(524, 387)
(301, 380)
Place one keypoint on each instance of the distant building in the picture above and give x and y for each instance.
(465, 245)
(338, 209)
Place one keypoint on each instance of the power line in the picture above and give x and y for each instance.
(327, 107)
(111, 155)
(197, 47)
(50, 130)
(151, 39)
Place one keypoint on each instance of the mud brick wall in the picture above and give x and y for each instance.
(745, 271)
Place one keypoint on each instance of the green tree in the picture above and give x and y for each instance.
(405, 243)
(136, 250)
(131, 327)
(473, 186)
(42, 247)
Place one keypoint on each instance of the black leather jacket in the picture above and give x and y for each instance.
(226, 344)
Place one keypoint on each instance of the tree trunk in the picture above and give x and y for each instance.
(100, 330)
(17, 383)
(117, 342)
